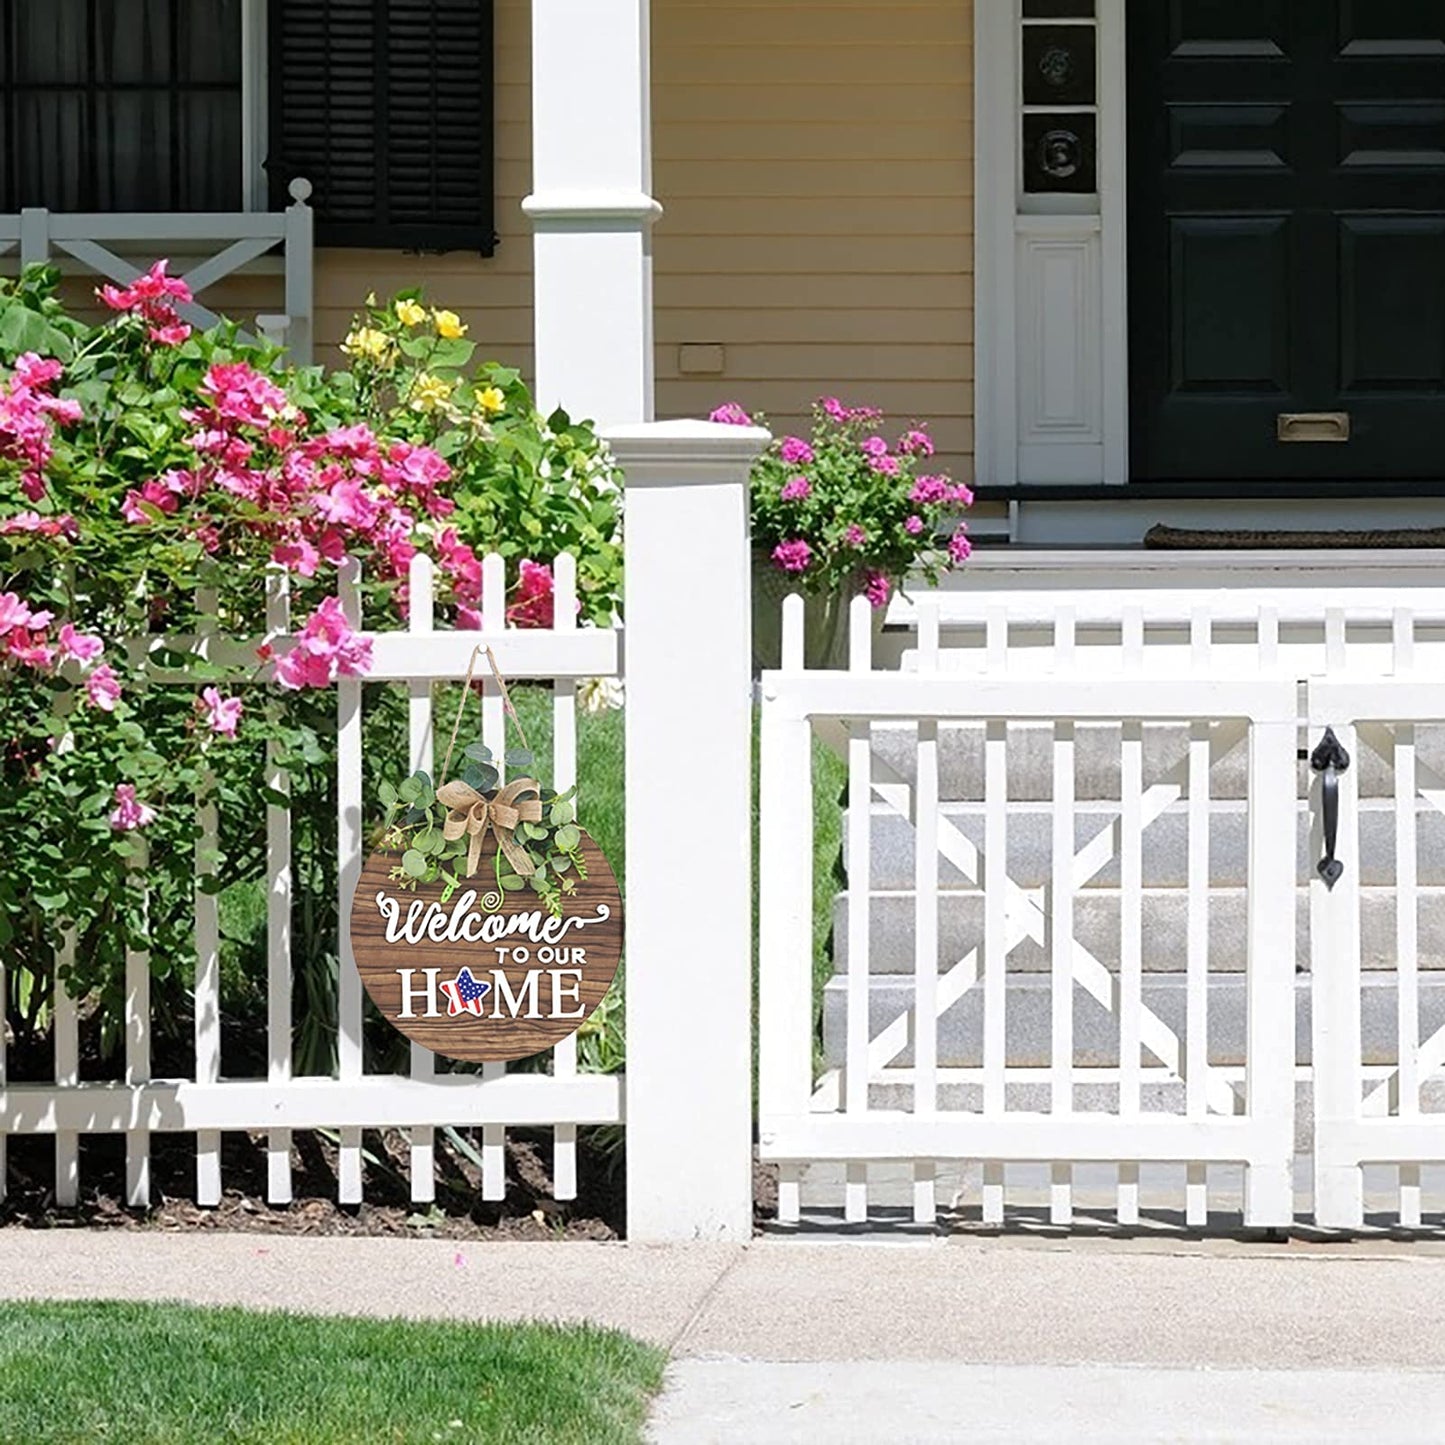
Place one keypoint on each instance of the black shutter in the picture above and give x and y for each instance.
(385, 106)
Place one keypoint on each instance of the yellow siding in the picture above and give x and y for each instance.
(815, 163)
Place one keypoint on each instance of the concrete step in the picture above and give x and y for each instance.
(1165, 846)
(1028, 1023)
(1097, 760)
(1096, 926)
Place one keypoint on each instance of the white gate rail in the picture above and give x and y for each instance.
(848, 1118)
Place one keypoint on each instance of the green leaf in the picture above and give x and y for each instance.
(388, 795)
(409, 791)
(275, 797)
(477, 752)
(561, 814)
(413, 863)
(521, 759)
(482, 778)
(568, 838)
(511, 882)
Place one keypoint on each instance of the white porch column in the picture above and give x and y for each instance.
(689, 830)
(592, 209)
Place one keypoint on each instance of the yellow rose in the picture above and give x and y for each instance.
(409, 313)
(369, 343)
(491, 400)
(448, 324)
(429, 392)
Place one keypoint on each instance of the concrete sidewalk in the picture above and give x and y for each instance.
(1076, 1313)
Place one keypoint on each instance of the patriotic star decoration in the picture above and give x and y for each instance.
(465, 995)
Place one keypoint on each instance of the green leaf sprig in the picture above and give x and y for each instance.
(414, 829)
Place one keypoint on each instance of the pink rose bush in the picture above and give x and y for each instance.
(161, 486)
(847, 510)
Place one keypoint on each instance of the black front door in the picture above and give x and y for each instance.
(1287, 239)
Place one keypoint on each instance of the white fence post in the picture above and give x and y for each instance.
(689, 829)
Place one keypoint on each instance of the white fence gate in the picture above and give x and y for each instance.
(1093, 961)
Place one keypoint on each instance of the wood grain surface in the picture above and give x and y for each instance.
(488, 1039)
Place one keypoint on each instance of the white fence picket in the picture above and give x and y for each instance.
(564, 776)
(137, 1032)
(207, 992)
(278, 918)
(66, 1035)
(349, 810)
(421, 619)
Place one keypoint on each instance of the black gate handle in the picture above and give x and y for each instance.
(1331, 759)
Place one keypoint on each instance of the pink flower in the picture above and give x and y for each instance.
(16, 614)
(913, 526)
(854, 535)
(62, 526)
(325, 649)
(175, 334)
(81, 646)
(886, 466)
(129, 813)
(961, 495)
(731, 414)
(834, 408)
(796, 452)
(878, 589)
(798, 489)
(222, 713)
(161, 493)
(534, 604)
(102, 687)
(960, 549)
(916, 443)
(929, 491)
(874, 447)
(793, 556)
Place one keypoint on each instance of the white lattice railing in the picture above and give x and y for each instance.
(109, 244)
(137, 1105)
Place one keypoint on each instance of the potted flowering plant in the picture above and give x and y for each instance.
(840, 513)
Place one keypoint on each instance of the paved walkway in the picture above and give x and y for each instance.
(1018, 1340)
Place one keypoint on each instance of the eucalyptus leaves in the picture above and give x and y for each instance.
(440, 832)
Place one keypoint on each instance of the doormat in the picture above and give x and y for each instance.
(1185, 539)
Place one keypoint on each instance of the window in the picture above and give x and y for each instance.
(385, 106)
(121, 105)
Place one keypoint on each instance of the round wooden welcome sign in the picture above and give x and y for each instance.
(486, 976)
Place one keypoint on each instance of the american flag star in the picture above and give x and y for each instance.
(464, 994)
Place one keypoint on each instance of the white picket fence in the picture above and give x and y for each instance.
(138, 1105)
(1102, 719)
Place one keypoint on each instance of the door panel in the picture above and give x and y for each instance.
(1287, 236)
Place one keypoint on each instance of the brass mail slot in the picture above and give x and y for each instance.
(1314, 426)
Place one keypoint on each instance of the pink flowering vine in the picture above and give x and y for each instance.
(153, 298)
(731, 414)
(29, 414)
(326, 648)
(222, 714)
(129, 812)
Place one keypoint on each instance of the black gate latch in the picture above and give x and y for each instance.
(1331, 759)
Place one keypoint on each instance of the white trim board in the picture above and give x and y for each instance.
(1051, 307)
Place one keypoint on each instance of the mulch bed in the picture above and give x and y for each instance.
(527, 1213)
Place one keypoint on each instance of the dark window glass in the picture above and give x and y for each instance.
(1059, 9)
(1059, 65)
(120, 105)
(1060, 154)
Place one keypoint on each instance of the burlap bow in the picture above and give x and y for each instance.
(473, 814)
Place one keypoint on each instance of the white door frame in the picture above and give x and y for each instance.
(1051, 280)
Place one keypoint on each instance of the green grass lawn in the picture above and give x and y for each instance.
(143, 1374)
